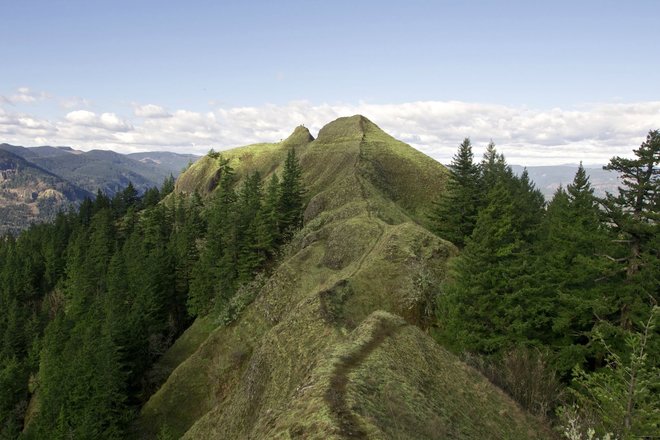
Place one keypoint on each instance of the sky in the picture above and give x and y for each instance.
(548, 82)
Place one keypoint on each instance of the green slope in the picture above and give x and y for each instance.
(331, 346)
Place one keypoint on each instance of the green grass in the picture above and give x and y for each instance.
(266, 158)
(390, 396)
(319, 352)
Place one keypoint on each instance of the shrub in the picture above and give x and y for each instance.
(525, 375)
(245, 294)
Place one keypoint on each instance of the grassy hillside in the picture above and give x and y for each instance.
(332, 346)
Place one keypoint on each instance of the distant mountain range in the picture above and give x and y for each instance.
(548, 178)
(37, 182)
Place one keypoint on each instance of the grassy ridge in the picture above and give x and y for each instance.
(318, 353)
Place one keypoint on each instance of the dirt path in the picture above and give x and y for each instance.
(335, 396)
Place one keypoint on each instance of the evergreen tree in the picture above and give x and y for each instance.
(621, 395)
(81, 380)
(151, 197)
(492, 168)
(485, 308)
(634, 216)
(455, 213)
(187, 231)
(215, 270)
(267, 220)
(249, 206)
(168, 186)
(569, 273)
(124, 200)
(101, 201)
(291, 196)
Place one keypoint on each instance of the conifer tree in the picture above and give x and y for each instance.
(455, 213)
(267, 219)
(634, 215)
(168, 186)
(492, 168)
(101, 201)
(569, 271)
(484, 308)
(249, 207)
(291, 195)
(188, 229)
(151, 197)
(215, 268)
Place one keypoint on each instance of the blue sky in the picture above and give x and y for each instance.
(111, 57)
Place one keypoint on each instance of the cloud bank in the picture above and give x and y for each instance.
(590, 133)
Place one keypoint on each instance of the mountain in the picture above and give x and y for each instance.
(336, 343)
(76, 175)
(548, 178)
(173, 162)
(105, 170)
(29, 193)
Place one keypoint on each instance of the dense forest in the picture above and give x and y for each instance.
(564, 293)
(89, 302)
(554, 302)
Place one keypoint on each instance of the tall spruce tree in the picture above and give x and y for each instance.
(483, 308)
(215, 269)
(634, 215)
(492, 167)
(291, 195)
(567, 284)
(268, 219)
(455, 213)
(249, 206)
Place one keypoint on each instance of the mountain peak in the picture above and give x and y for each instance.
(300, 135)
(352, 127)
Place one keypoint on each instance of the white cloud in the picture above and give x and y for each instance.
(73, 102)
(81, 117)
(591, 133)
(150, 111)
(107, 121)
(112, 122)
(24, 95)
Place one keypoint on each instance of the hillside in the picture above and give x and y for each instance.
(29, 193)
(102, 169)
(333, 346)
(105, 170)
(172, 162)
(37, 182)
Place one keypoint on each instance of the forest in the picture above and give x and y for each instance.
(89, 302)
(558, 301)
(555, 302)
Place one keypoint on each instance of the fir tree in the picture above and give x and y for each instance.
(168, 186)
(215, 269)
(485, 308)
(634, 215)
(248, 209)
(291, 196)
(268, 220)
(455, 214)
(569, 273)
(492, 168)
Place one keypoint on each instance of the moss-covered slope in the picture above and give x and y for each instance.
(330, 348)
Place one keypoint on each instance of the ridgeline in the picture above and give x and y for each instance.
(334, 343)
